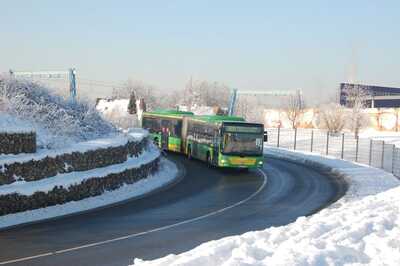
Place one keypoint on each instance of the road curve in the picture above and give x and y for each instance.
(207, 204)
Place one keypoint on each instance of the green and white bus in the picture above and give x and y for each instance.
(223, 141)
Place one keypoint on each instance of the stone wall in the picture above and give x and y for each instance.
(12, 203)
(15, 143)
(77, 161)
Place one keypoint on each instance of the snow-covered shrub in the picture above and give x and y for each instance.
(332, 117)
(58, 121)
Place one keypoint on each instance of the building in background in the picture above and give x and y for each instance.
(378, 97)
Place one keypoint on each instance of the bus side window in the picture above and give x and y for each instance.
(151, 124)
(147, 123)
(178, 129)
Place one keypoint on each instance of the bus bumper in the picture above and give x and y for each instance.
(240, 162)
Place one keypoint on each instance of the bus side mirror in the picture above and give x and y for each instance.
(265, 136)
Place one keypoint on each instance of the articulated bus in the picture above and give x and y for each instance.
(223, 141)
(165, 128)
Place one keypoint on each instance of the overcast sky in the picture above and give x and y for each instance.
(256, 45)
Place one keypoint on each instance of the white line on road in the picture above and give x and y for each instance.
(94, 244)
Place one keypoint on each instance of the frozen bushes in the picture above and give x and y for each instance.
(61, 119)
(12, 203)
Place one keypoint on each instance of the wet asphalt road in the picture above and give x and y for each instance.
(291, 191)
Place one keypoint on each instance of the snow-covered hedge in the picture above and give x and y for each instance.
(15, 202)
(17, 143)
(80, 157)
(56, 120)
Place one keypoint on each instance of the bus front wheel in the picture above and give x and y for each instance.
(189, 153)
(209, 161)
(156, 142)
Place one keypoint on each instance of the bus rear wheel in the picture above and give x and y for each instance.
(209, 161)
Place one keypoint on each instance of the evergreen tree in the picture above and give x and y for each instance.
(132, 104)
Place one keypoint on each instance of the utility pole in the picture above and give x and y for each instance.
(72, 84)
(232, 102)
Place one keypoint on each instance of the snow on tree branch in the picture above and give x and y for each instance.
(62, 119)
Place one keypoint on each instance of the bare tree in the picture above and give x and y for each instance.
(332, 117)
(294, 108)
(205, 93)
(141, 90)
(356, 100)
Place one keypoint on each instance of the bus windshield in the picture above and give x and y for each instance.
(242, 143)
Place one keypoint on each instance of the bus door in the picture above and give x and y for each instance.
(216, 141)
(164, 134)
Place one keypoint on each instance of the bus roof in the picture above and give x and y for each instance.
(166, 112)
(218, 118)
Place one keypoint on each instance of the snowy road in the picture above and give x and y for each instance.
(207, 204)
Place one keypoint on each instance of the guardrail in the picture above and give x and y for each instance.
(376, 153)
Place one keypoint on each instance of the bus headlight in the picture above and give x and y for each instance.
(260, 162)
(223, 161)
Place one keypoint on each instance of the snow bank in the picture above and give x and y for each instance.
(11, 124)
(167, 174)
(363, 228)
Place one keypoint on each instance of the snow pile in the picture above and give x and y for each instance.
(167, 174)
(363, 228)
(57, 121)
(11, 124)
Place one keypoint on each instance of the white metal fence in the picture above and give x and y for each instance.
(346, 146)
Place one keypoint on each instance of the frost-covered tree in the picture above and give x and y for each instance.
(205, 93)
(148, 92)
(356, 99)
(64, 119)
(294, 108)
(250, 107)
(332, 117)
(132, 104)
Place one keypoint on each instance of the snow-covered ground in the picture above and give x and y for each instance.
(11, 124)
(168, 173)
(390, 137)
(362, 228)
